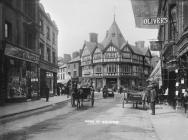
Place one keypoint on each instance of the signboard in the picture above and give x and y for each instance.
(143, 10)
(155, 45)
(19, 53)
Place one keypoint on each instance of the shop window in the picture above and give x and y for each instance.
(8, 30)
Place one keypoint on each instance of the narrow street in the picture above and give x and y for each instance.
(106, 120)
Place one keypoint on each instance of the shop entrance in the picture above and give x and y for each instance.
(111, 83)
(172, 87)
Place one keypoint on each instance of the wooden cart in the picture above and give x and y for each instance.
(136, 98)
(84, 94)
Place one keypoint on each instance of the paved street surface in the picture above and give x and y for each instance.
(17, 108)
(106, 120)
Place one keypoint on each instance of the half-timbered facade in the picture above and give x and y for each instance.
(114, 62)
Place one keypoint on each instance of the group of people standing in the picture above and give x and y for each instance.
(63, 89)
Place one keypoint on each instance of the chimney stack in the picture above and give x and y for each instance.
(140, 44)
(93, 37)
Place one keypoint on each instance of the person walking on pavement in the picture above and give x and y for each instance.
(46, 92)
(58, 90)
(152, 99)
(185, 99)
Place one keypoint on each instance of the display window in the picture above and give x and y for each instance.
(22, 79)
(17, 87)
(50, 81)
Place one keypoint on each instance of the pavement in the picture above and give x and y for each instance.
(170, 124)
(13, 109)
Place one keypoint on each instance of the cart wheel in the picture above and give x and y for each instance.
(92, 99)
(78, 104)
(92, 102)
(123, 103)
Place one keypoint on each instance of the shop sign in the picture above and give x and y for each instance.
(15, 52)
(155, 45)
(144, 11)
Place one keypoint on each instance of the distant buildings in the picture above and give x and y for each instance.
(65, 59)
(114, 62)
(62, 74)
(74, 68)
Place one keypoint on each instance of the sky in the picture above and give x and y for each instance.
(77, 18)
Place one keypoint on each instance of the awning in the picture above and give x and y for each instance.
(63, 81)
(155, 76)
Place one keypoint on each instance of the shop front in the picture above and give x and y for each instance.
(48, 77)
(21, 74)
(112, 83)
(99, 84)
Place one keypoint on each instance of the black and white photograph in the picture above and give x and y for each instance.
(93, 69)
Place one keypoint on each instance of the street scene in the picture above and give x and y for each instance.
(97, 70)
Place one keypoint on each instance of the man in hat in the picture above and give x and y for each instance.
(152, 99)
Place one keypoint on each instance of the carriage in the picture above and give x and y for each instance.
(136, 98)
(83, 94)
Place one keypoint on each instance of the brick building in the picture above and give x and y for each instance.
(48, 51)
(19, 50)
(28, 50)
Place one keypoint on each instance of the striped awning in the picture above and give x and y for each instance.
(156, 73)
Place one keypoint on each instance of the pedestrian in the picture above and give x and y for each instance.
(58, 90)
(120, 90)
(185, 99)
(105, 92)
(62, 90)
(46, 92)
(152, 99)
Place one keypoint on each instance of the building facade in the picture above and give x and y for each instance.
(114, 62)
(74, 68)
(174, 51)
(28, 50)
(63, 74)
(48, 51)
(19, 50)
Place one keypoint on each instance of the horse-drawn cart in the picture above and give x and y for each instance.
(83, 94)
(136, 98)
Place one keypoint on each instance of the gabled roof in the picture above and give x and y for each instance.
(91, 46)
(144, 50)
(100, 46)
(136, 49)
(114, 35)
